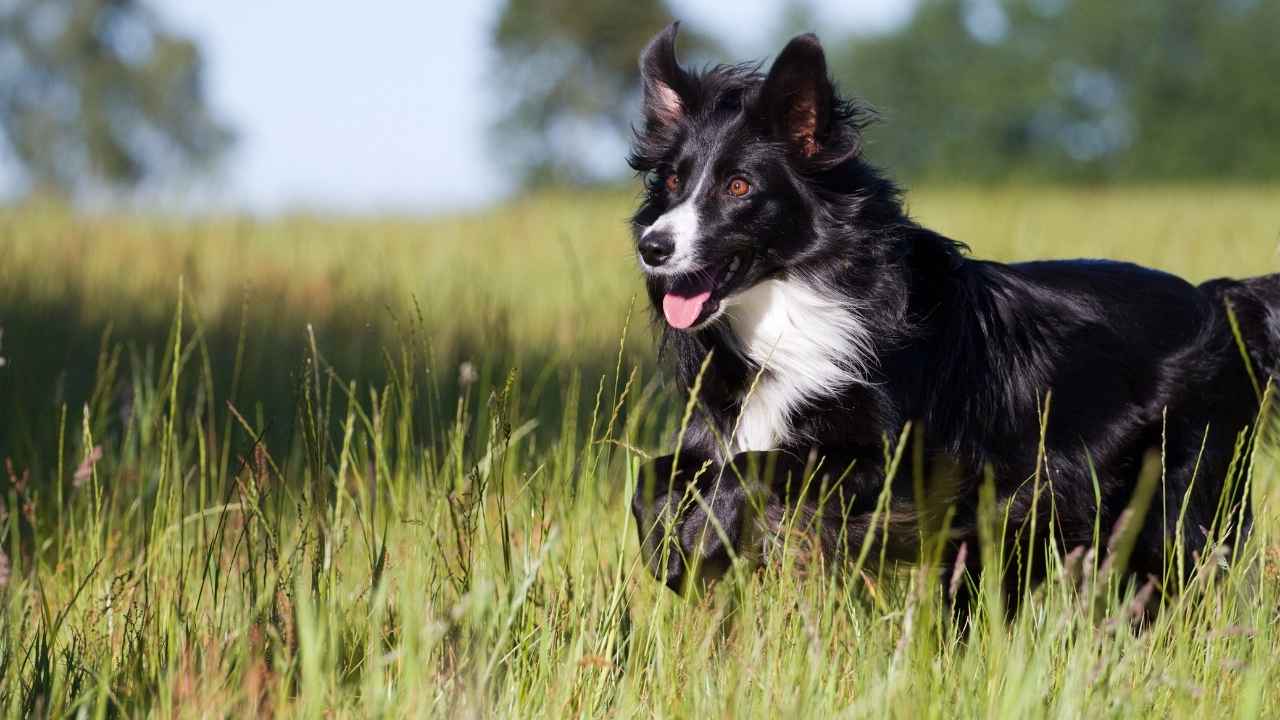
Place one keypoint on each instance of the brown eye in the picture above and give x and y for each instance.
(673, 183)
(739, 187)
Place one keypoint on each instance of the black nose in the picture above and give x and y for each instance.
(656, 248)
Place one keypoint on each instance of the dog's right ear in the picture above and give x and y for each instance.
(665, 82)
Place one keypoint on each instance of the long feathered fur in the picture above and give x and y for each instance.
(887, 322)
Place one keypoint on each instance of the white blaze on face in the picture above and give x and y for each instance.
(681, 222)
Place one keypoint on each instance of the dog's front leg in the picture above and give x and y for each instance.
(691, 515)
(695, 516)
(831, 495)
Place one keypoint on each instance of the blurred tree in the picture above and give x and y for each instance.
(1075, 89)
(99, 93)
(571, 82)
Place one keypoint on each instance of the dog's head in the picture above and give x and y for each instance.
(740, 168)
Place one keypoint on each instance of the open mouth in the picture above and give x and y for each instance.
(692, 299)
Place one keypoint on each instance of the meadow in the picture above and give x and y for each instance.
(315, 466)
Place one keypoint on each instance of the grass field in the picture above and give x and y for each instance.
(379, 467)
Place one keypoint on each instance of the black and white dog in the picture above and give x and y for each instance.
(827, 320)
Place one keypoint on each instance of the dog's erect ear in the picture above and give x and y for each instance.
(797, 95)
(665, 82)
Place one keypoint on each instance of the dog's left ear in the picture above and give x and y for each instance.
(797, 96)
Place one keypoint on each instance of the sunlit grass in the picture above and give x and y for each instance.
(437, 540)
(558, 268)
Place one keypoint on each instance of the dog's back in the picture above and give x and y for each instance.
(1255, 304)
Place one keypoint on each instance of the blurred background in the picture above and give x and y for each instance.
(300, 175)
(428, 107)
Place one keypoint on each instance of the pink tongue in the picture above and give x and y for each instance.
(682, 312)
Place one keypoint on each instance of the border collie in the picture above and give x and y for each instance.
(815, 320)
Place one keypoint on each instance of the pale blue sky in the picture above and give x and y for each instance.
(386, 108)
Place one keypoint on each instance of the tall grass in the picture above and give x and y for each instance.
(380, 468)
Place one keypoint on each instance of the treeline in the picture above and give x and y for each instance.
(1077, 89)
(98, 94)
(969, 90)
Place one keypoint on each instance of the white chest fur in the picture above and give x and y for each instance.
(810, 344)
